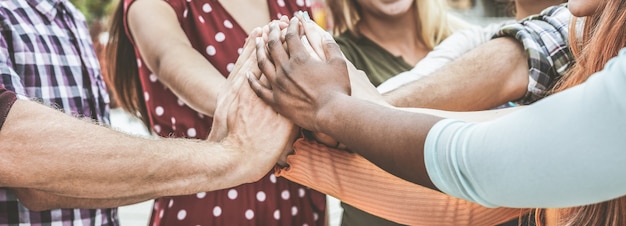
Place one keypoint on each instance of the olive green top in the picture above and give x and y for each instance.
(376, 62)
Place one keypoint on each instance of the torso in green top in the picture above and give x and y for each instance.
(376, 62)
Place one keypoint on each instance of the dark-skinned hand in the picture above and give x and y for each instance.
(300, 85)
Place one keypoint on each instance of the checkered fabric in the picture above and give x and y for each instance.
(46, 55)
(545, 39)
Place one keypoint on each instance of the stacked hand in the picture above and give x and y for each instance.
(305, 69)
(300, 84)
(243, 120)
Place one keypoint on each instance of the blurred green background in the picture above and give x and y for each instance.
(95, 10)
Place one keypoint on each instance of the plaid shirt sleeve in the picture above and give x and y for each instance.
(545, 40)
(9, 79)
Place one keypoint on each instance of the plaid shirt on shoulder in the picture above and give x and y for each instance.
(46, 55)
(545, 39)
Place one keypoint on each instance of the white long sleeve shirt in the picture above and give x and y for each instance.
(566, 150)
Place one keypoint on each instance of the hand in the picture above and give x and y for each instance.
(245, 62)
(362, 88)
(300, 85)
(258, 134)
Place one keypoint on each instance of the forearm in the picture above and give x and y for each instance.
(168, 53)
(193, 79)
(47, 150)
(394, 144)
(38, 200)
(343, 175)
(512, 162)
(470, 82)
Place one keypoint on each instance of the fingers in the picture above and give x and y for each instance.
(294, 43)
(275, 45)
(331, 49)
(313, 33)
(312, 52)
(261, 91)
(263, 60)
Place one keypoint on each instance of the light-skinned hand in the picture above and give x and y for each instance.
(300, 84)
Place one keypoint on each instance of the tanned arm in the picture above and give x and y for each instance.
(470, 82)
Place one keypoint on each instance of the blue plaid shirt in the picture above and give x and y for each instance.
(46, 55)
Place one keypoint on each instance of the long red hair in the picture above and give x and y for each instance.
(123, 75)
(603, 35)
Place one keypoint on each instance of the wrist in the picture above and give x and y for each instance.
(329, 113)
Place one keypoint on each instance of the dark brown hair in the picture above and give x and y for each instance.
(123, 73)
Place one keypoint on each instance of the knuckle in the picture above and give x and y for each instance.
(274, 43)
(291, 35)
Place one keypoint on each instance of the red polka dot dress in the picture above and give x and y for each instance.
(270, 201)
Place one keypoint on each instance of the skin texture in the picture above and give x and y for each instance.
(471, 83)
(315, 94)
(458, 86)
(167, 52)
(393, 25)
(525, 8)
(116, 169)
(581, 8)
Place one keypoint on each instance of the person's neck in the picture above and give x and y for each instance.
(399, 36)
(525, 9)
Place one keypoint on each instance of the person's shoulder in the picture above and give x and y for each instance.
(348, 42)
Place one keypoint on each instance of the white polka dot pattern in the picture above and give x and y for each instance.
(207, 8)
(220, 37)
(159, 111)
(277, 214)
(271, 201)
(260, 196)
(181, 215)
(285, 194)
(191, 132)
(211, 50)
(301, 192)
(232, 194)
(294, 211)
(217, 211)
(249, 214)
(273, 178)
(228, 24)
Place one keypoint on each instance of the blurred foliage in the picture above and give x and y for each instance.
(95, 10)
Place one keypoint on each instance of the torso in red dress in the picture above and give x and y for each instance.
(270, 201)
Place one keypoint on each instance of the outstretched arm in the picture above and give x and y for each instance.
(115, 168)
(490, 75)
(490, 162)
(168, 53)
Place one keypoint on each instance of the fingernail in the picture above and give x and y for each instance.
(259, 40)
(306, 16)
(328, 36)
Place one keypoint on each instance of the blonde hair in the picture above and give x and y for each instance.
(435, 23)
